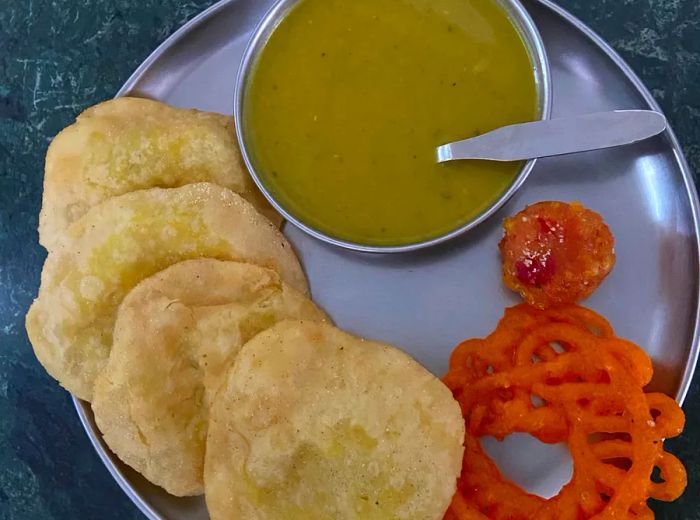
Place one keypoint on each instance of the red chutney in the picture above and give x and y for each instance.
(556, 252)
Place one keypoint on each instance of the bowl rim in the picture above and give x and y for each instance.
(534, 44)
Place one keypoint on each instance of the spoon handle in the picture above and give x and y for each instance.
(557, 136)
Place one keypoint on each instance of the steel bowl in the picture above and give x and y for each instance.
(540, 67)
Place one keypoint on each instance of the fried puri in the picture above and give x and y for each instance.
(312, 423)
(127, 144)
(175, 334)
(120, 242)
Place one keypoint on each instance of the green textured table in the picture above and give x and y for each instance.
(58, 57)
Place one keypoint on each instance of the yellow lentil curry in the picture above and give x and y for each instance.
(348, 100)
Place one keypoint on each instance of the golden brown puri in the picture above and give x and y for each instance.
(175, 334)
(312, 423)
(120, 242)
(127, 144)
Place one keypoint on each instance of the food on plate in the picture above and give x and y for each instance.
(127, 144)
(175, 335)
(562, 375)
(347, 142)
(313, 423)
(556, 253)
(120, 242)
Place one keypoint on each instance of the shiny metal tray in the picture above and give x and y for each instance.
(427, 302)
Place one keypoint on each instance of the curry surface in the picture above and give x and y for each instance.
(349, 99)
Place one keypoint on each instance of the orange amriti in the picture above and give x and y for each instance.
(562, 375)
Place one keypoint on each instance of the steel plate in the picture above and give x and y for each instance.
(428, 301)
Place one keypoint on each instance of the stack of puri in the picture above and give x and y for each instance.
(172, 303)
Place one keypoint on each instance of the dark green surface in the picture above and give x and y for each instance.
(58, 57)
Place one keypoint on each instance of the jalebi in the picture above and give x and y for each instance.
(562, 375)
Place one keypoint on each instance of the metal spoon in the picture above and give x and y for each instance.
(557, 136)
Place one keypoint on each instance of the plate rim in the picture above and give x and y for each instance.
(82, 407)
